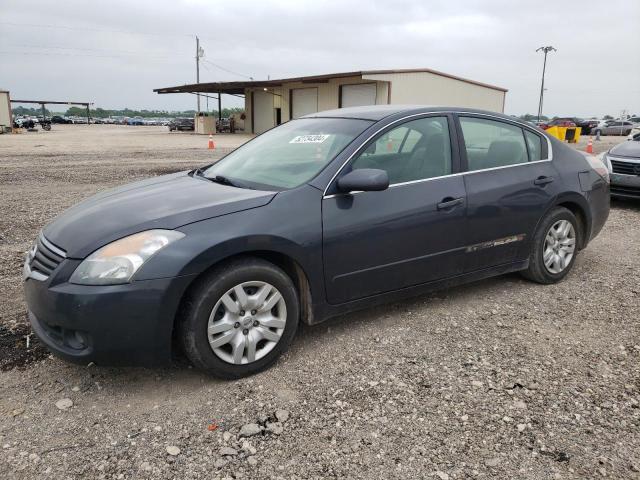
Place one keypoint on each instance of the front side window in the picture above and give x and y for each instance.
(289, 155)
(491, 143)
(416, 150)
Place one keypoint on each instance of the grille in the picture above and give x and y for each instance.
(46, 257)
(626, 191)
(625, 168)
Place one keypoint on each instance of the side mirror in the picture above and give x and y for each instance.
(364, 180)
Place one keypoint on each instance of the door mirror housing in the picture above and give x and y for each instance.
(364, 180)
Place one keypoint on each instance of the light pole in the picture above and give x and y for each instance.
(544, 68)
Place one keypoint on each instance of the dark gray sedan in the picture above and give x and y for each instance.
(623, 162)
(323, 215)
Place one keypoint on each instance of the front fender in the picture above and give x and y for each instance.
(290, 225)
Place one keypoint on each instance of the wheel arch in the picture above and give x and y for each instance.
(577, 205)
(288, 264)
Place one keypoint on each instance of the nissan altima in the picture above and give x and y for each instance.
(326, 214)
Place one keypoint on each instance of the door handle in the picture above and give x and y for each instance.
(542, 180)
(449, 203)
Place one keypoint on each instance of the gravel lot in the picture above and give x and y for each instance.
(499, 379)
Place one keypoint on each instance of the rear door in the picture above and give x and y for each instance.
(411, 233)
(510, 183)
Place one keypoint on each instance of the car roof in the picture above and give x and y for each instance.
(378, 112)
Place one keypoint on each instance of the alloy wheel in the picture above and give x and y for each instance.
(247, 322)
(559, 246)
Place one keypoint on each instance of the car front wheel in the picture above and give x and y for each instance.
(239, 318)
(554, 247)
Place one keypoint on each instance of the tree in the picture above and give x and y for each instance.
(34, 112)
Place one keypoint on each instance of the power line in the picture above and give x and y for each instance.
(47, 47)
(88, 29)
(226, 69)
(62, 54)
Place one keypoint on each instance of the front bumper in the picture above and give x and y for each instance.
(625, 186)
(125, 325)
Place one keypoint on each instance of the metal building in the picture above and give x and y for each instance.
(271, 102)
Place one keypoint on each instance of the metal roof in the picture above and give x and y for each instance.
(236, 88)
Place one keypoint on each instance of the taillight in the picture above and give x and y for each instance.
(600, 168)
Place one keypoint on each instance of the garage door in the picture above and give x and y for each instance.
(357, 95)
(303, 101)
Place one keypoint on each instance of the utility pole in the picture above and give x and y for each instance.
(544, 68)
(199, 54)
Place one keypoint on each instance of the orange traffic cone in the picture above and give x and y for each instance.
(212, 145)
(590, 145)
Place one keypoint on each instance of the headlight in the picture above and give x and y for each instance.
(604, 158)
(597, 163)
(118, 261)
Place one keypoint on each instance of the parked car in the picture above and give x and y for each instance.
(613, 127)
(322, 215)
(623, 163)
(182, 124)
(634, 135)
(223, 125)
(60, 119)
(135, 121)
(585, 124)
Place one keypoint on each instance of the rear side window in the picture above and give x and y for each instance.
(534, 144)
(491, 143)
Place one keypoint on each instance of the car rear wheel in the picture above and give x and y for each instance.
(239, 318)
(554, 247)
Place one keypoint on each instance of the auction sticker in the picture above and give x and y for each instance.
(309, 139)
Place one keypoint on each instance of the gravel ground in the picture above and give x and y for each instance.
(499, 379)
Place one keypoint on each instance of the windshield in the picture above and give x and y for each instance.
(289, 155)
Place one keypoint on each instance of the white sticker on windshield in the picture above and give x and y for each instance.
(309, 139)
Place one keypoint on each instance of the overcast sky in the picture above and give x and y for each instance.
(114, 53)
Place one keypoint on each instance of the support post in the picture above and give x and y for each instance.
(88, 115)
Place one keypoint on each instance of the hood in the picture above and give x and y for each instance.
(169, 202)
(629, 148)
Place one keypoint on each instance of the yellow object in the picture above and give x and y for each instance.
(569, 134)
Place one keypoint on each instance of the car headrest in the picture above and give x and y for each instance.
(505, 152)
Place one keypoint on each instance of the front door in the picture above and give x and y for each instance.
(509, 183)
(411, 233)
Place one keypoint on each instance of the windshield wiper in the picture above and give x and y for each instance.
(225, 181)
(221, 179)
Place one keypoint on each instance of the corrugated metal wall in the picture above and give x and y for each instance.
(425, 88)
(421, 88)
(328, 96)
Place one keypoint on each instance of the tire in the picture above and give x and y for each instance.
(538, 271)
(197, 316)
